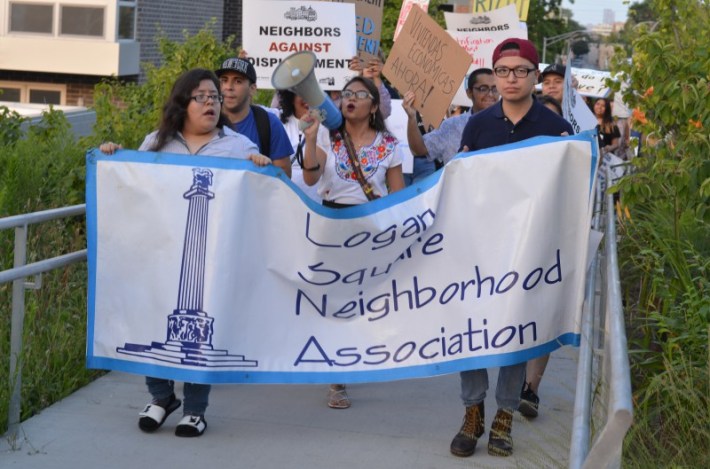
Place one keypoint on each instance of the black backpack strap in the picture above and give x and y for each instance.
(263, 126)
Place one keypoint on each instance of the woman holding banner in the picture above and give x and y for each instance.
(191, 124)
(360, 165)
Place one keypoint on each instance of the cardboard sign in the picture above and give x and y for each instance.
(426, 60)
(521, 6)
(327, 29)
(503, 19)
(404, 12)
(368, 14)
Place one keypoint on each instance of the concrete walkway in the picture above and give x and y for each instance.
(404, 424)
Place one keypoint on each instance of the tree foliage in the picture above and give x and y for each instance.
(127, 112)
(666, 244)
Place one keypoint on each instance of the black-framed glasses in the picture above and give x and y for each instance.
(361, 94)
(519, 72)
(484, 89)
(203, 98)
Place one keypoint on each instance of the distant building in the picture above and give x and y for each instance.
(608, 16)
(56, 51)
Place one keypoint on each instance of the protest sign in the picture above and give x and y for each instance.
(521, 6)
(404, 12)
(426, 60)
(368, 14)
(327, 29)
(503, 19)
(243, 278)
(574, 109)
(591, 82)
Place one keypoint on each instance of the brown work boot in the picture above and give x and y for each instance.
(464, 443)
(500, 443)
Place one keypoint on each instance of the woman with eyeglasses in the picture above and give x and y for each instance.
(191, 124)
(360, 164)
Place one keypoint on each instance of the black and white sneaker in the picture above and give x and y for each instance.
(191, 425)
(529, 402)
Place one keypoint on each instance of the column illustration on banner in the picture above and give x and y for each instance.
(189, 328)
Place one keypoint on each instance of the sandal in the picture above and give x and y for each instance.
(338, 397)
(156, 412)
(191, 425)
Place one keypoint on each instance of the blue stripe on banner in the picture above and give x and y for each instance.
(264, 377)
(346, 213)
(91, 231)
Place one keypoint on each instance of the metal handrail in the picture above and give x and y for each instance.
(17, 276)
(579, 444)
(607, 447)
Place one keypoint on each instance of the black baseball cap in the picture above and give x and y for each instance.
(238, 65)
(557, 69)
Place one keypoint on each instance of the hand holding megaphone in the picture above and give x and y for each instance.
(311, 117)
(295, 73)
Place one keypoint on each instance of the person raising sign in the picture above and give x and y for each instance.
(360, 165)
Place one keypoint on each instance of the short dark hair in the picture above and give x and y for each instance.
(473, 77)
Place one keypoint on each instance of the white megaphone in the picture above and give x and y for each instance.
(295, 74)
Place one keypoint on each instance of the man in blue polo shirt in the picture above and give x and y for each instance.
(237, 78)
(517, 116)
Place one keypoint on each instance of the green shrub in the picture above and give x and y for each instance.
(45, 169)
(665, 245)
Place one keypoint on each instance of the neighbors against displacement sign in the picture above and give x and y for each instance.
(272, 30)
(211, 270)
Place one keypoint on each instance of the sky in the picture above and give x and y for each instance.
(591, 11)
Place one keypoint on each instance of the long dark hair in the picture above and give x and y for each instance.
(287, 102)
(175, 108)
(378, 123)
(607, 125)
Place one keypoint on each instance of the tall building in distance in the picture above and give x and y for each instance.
(608, 16)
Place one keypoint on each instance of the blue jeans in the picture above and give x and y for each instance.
(474, 384)
(421, 169)
(196, 395)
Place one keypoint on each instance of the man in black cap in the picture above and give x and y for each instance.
(553, 81)
(237, 79)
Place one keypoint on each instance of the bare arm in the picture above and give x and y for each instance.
(395, 179)
(414, 136)
(285, 164)
(314, 158)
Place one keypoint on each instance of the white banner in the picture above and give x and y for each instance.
(210, 270)
(327, 29)
(574, 108)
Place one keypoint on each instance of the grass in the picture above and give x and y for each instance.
(54, 339)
